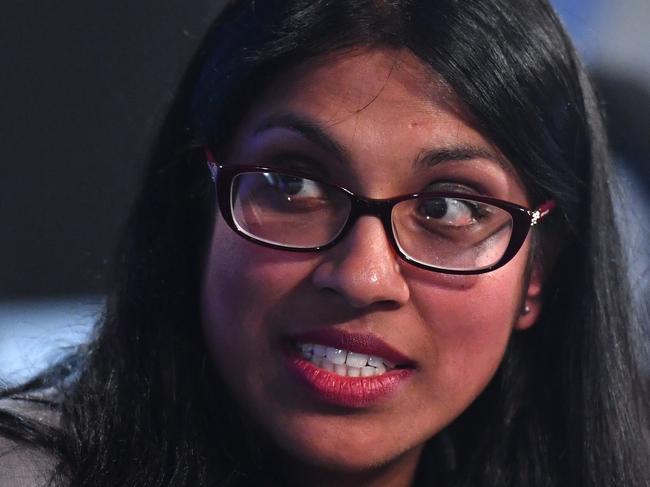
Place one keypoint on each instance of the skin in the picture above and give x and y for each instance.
(384, 109)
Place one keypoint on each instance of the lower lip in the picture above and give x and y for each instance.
(351, 392)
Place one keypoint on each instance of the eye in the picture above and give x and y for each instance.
(450, 211)
(283, 193)
(294, 186)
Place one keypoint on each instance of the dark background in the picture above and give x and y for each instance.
(81, 87)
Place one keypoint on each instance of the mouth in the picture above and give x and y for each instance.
(344, 363)
(347, 369)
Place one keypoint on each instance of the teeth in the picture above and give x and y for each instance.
(356, 359)
(375, 361)
(319, 350)
(368, 371)
(354, 372)
(341, 369)
(342, 362)
(336, 355)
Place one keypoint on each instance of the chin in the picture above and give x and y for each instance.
(344, 448)
(344, 459)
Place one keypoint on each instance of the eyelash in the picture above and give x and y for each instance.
(456, 186)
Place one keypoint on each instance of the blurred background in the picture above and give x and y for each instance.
(81, 86)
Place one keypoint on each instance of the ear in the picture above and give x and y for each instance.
(532, 303)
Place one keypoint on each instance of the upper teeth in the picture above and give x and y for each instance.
(344, 362)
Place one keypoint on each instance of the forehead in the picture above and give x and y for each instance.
(384, 108)
(365, 75)
(384, 86)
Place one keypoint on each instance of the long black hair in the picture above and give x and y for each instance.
(566, 406)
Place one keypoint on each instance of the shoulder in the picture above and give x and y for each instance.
(21, 465)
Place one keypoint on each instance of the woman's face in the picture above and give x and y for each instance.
(374, 117)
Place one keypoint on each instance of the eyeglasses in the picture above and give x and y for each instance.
(448, 232)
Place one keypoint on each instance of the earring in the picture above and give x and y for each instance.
(526, 310)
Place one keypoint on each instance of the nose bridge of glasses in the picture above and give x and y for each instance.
(379, 208)
(366, 249)
(372, 207)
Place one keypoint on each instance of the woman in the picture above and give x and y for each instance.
(399, 276)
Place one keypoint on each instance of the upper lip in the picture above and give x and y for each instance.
(365, 343)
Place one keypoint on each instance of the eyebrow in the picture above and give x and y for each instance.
(430, 158)
(309, 129)
(316, 133)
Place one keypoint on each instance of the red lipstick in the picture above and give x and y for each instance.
(351, 392)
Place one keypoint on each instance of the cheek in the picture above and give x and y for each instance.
(244, 287)
(469, 322)
(240, 273)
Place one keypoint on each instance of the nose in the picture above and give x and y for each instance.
(363, 268)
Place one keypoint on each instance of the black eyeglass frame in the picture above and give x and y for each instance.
(523, 219)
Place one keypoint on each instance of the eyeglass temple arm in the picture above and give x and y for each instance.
(541, 211)
(212, 166)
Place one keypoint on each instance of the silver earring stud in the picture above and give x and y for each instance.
(526, 310)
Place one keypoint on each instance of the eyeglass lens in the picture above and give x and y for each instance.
(297, 212)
